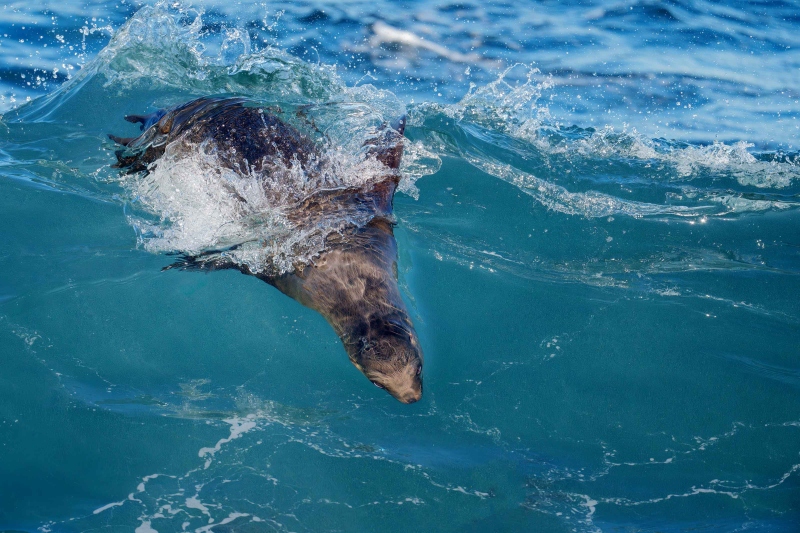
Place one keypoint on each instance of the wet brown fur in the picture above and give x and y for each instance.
(353, 283)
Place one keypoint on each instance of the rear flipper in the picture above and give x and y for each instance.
(127, 158)
(145, 121)
(124, 141)
(130, 158)
(163, 125)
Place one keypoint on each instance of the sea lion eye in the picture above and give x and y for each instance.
(378, 385)
(419, 370)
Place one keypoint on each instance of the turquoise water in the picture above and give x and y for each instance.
(599, 246)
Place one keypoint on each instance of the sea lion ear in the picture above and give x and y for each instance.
(387, 146)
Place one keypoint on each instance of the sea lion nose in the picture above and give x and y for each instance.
(412, 393)
(411, 397)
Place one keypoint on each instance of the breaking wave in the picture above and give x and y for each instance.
(507, 121)
(165, 54)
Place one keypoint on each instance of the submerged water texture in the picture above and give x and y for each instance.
(599, 244)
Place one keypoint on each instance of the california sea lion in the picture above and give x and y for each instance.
(353, 281)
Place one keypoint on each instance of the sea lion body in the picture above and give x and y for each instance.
(353, 281)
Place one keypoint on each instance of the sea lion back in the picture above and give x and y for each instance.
(244, 137)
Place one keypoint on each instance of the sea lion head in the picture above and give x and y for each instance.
(386, 350)
(353, 284)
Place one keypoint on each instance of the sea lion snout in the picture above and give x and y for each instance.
(389, 355)
(404, 384)
(408, 391)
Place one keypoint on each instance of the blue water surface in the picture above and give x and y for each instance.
(599, 242)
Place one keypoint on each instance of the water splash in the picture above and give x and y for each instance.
(201, 206)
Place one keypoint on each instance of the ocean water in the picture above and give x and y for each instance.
(599, 243)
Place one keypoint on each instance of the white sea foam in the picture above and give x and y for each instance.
(383, 33)
(195, 503)
(201, 205)
(227, 520)
(589, 204)
(688, 161)
(238, 428)
(145, 527)
(108, 506)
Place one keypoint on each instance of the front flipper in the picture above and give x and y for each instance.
(204, 262)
